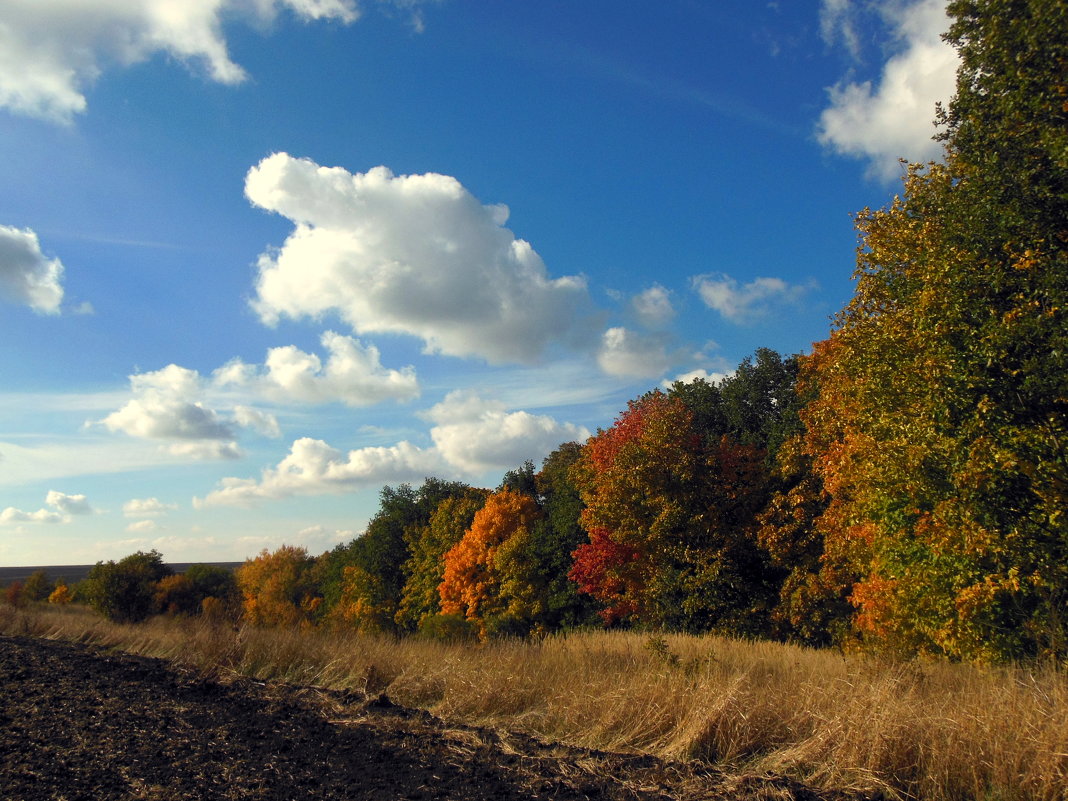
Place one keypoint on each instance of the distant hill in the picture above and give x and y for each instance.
(75, 573)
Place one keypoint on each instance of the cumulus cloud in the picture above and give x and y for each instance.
(27, 276)
(893, 118)
(746, 303)
(166, 407)
(63, 507)
(653, 306)
(626, 353)
(471, 436)
(314, 468)
(353, 374)
(50, 52)
(142, 526)
(411, 254)
(68, 504)
(147, 507)
(13, 515)
(476, 435)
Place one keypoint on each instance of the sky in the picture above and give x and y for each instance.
(260, 258)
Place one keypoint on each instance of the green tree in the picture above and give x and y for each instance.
(124, 591)
(38, 586)
(942, 403)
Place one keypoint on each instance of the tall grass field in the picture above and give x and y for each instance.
(932, 731)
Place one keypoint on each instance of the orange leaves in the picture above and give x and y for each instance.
(477, 567)
(277, 588)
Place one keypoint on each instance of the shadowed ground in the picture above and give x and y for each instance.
(79, 723)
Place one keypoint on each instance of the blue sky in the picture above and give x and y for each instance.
(259, 258)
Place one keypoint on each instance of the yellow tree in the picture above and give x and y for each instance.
(277, 587)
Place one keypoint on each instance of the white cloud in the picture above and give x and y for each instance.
(314, 468)
(167, 407)
(894, 119)
(63, 507)
(12, 515)
(653, 306)
(415, 255)
(147, 507)
(26, 275)
(353, 374)
(68, 504)
(476, 435)
(142, 527)
(52, 50)
(746, 303)
(627, 353)
(838, 24)
(693, 375)
(471, 436)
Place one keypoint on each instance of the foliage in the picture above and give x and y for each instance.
(278, 588)
(176, 595)
(13, 594)
(670, 513)
(940, 426)
(124, 591)
(428, 545)
(38, 586)
(487, 577)
(369, 594)
(61, 595)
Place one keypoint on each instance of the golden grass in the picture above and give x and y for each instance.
(932, 731)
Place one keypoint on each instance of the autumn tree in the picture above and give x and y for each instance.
(363, 581)
(428, 544)
(556, 536)
(670, 510)
(124, 591)
(61, 595)
(487, 577)
(278, 588)
(939, 430)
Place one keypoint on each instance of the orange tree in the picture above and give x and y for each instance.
(488, 578)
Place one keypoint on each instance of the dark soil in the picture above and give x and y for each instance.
(80, 723)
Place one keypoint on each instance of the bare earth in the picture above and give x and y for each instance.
(83, 724)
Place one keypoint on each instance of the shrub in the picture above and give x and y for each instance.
(124, 591)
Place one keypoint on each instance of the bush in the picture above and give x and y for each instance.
(124, 591)
(61, 595)
(447, 628)
(37, 587)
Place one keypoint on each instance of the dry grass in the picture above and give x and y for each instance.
(933, 731)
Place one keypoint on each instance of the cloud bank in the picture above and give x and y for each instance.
(471, 436)
(413, 254)
(27, 277)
